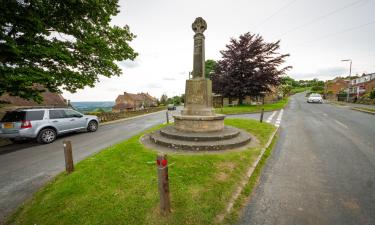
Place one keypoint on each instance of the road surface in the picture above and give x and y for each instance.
(322, 170)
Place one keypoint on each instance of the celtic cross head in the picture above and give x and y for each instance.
(199, 25)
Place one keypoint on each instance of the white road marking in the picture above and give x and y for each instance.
(325, 114)
(278, 120)
(269, 119)
(341, 124)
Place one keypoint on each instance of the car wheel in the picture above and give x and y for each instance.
(47, 136)
(92, 126)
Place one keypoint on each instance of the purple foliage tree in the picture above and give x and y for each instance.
(249, 67)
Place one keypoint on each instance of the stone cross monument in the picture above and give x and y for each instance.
(198, 128)
(198, 114)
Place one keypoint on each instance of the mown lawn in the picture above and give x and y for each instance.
(119, 186)
(252, 108)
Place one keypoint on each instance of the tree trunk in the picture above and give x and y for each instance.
(240, 100)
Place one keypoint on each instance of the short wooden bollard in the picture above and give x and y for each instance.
(163, 184)
(69, 166)
(261, 115)
(166, 114)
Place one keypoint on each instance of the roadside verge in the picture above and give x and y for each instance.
(365, 110)
(231, 213)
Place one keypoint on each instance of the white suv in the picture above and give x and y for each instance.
(44, 124)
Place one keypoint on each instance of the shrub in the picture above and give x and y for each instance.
(372, 94)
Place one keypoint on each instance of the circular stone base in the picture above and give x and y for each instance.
(199, 124)
(170, 137)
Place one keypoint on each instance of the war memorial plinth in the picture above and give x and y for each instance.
(198, 128)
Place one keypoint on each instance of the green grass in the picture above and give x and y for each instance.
(119, 186)
(364, 108)
(299, 89)
(252, 108)
(245, 195)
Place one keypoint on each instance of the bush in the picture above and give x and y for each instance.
(372, 94)
(317, 89)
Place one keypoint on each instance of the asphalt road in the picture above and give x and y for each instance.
(24, 168)
(322, 170)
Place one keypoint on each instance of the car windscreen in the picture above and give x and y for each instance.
(316, 95)
(14, 116)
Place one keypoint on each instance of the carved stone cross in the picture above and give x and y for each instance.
(199, 26)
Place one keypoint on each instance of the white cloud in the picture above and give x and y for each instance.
(165, 40)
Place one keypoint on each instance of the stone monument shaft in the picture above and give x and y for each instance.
(198, 91)
(199, 26)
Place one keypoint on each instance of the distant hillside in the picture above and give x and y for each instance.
(93, 106)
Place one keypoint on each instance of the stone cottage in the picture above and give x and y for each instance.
(130, 102)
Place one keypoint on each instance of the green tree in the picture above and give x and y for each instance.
(177, 100)
(58, 45)
(286, 80)
(163, 99)
(286, 89)
(209, 68)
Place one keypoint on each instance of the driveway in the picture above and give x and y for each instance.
(322, 170)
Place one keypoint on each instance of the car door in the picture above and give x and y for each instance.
(58, 119)
(76, 119)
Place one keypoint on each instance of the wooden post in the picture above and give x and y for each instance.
(166, 114)
(69, 166)
(163, 184)
(261, 115)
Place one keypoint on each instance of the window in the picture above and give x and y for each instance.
(35, 115)
(14, 116)
(56, 114)
(72, 113)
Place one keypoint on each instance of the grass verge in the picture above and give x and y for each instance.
(364, 109)
(119, 186)
(252, 108)
(234, 216)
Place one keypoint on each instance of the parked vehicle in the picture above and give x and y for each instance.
(315, 98)
(44, 124)
(171, 107)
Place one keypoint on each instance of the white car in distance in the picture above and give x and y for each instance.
(315, 98)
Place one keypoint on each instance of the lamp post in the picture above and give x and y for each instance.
(350, 74)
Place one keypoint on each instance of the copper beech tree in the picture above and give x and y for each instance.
(249, 67)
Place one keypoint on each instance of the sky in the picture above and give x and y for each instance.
(317, 34)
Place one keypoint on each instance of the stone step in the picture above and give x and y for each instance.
(226, 133)
(240, 140)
